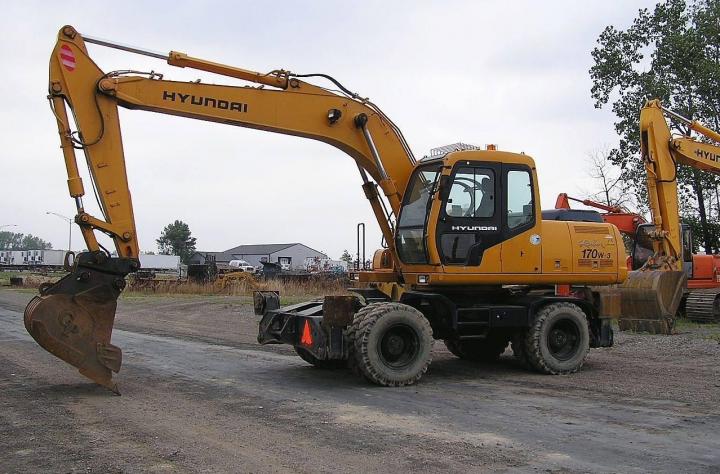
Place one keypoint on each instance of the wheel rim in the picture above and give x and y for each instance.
(399, 346)
(563, 339)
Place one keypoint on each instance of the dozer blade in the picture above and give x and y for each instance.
(649, 300)
(73, 318)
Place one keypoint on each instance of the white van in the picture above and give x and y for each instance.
(242, 266)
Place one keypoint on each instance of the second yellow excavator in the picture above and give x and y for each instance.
(469, 259)
(651, 296)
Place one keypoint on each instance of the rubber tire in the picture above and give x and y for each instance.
(350, 332)
(366, 332)
(536, 345)
(487, 350)
(319, 363)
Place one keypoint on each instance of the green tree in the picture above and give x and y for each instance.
(16, 241)
(176, 239)
(671, 53)
(346, 257)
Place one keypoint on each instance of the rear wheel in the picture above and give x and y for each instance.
(391, 344)
(319, 363)
(559, 339)
(487, 350)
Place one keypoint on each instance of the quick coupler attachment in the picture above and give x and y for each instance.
(73, 317)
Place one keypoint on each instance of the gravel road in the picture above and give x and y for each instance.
(199, 395)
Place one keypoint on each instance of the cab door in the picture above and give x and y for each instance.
(469, 221)
(521, 238)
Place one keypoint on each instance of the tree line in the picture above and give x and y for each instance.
(17, 241)
(672, 53)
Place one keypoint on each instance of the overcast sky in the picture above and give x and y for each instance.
(514, 73)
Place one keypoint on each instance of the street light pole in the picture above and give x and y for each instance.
(69, 221)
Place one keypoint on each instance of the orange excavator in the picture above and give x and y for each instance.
(701, 300)
(627, 222)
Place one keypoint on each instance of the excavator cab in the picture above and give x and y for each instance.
(462, 209)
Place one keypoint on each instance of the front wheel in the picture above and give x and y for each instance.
(559, 339)
(391, 344)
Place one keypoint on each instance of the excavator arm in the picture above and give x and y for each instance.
(73, 318)
(627, 222)
(652, 295)
(661, 153)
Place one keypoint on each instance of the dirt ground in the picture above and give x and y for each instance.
(200, 395)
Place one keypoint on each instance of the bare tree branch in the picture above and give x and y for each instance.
(609, 188)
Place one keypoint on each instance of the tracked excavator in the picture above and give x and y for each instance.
(701, 298)
(468, 259)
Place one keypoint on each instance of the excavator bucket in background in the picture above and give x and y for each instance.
(73, 318)
(650, 299)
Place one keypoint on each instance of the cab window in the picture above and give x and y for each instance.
(410, 237)
(520, 209)
(472, 193)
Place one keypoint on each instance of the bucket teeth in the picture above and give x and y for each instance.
(110, 356)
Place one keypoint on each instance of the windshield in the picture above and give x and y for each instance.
(410, 240)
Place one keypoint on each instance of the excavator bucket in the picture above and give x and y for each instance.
(649, 300)
(73, 318)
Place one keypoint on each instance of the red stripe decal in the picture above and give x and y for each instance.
(67, 57)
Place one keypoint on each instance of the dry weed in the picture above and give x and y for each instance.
(240, 287)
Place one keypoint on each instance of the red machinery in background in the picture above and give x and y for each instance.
(702, 300)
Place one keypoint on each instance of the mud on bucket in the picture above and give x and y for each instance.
(650, 299)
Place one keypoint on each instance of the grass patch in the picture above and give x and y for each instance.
(5, 277)
(30, 279)
(707, 331)
(683, 323)
(290, 291)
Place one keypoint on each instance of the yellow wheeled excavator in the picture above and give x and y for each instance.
(651, 295)
(468, 259)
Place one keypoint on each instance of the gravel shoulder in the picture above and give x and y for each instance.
(199, 394)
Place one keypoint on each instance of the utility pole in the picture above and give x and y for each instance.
(70, 223)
